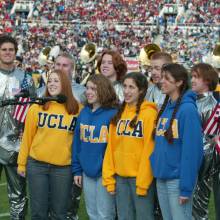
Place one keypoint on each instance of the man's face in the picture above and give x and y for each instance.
(156, 66)
(65, 64)
(7, 53)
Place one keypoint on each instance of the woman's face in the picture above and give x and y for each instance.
(107, 68)
(54, 84)
(131, 91)
(91, 93)
(170, 86)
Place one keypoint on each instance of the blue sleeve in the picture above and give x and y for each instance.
(76, 147)
(192, 150)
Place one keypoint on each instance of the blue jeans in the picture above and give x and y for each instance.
(100, 205)
(168, 194)
(131, 206)
(49, 188)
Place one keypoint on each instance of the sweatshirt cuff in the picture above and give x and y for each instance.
(111, 188)
(141, 191)
(185, 193)
(21, 168)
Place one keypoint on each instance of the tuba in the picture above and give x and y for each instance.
(146, 52)
(48, 55)
(214, 57)
(88, 56)
(46, 58)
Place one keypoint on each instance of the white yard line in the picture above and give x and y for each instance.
(4, 214)
(3, 184)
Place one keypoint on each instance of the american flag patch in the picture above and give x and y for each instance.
(21, 109)
(212, 126)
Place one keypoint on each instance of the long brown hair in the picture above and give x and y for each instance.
(105, 91)
(179, 73)
(141, 82)
(71, 104)
(119, 64)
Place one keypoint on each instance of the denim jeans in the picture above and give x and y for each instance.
(131, 206)
(100, 205)
(168, 194)
(49, 188)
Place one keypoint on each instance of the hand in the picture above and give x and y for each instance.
(21, 173)
(183, 200)
(78, 181)
(216, 138)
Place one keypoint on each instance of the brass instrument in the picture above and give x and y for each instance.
(88, 57)
(146, 52)
(88, 53)
(46, 58)
(48, 55)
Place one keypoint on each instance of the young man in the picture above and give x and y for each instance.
(204, 81)
(11, 80)
(154, 93)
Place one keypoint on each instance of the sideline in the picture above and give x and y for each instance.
(3, 184)
(4, 214)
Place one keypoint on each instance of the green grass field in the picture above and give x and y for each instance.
(4, 211)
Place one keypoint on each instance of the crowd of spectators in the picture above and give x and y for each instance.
(111, 24)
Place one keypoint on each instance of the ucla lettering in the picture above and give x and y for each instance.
(73, 124)
(55, 121)
(50, 123)
(123, 128)
(61, 126)
(163, 124)
(42, 119)
(87, 134)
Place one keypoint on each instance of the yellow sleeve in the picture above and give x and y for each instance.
(145, 176)
(108, 169)
(30, 130)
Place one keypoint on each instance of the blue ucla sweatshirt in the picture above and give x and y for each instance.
(90, 141)
(181, 159)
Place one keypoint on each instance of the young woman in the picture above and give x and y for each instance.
(126, 169)
(178, 145)
(204, 81)
(89, 146)
(112, 65)
(45, 153)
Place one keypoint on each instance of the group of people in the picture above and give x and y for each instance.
(138, 149)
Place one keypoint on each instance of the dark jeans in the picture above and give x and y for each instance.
(131, 206)
(49, 188)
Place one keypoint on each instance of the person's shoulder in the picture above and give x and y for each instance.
(77, 86)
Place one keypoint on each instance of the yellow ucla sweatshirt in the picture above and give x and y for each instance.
(129, 149)
(47, 136)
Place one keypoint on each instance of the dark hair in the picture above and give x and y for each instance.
(141, 82)
(71, 104)
(179, 73)
(207, 73)
(119, 64)
(162, 56)
(8, 39)
(105, 90)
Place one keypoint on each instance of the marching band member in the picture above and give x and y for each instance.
(204, 81)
